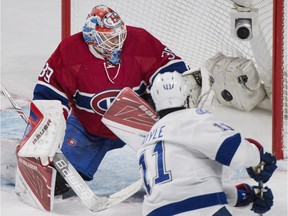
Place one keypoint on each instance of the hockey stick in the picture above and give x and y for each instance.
(260, 185)
(72, 177)
(14, 103)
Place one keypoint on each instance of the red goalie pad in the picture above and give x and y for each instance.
(35, 183)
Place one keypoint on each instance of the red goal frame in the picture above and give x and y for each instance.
(277, 58)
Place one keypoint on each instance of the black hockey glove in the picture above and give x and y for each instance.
(248, 194)
(262, 204)
(266, 167)
(245, 195)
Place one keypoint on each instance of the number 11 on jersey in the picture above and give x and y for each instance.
(161, 175)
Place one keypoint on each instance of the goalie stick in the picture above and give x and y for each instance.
(14, 103)
(76, 182)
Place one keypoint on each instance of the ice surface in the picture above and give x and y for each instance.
(30, 31)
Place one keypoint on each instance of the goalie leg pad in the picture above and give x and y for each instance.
(35, 184)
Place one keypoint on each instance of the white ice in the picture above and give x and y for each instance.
(30, 31)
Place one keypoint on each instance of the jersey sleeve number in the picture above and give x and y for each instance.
(161, 175)
(46, 73)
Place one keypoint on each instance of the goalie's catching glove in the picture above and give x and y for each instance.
(247, 195)
(266, 167)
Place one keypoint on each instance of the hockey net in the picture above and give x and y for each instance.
(196, 30)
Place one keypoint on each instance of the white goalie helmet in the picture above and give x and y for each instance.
(169, 90)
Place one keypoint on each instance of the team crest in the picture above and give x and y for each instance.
(71, 142)
(102, 101)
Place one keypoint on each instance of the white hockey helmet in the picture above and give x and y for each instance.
(169, 90)
(106, 32)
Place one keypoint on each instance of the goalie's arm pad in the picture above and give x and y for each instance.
(45, 131)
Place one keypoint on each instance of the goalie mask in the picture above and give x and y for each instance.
(106, 32)
(169, 91)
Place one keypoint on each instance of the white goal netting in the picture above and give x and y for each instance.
(196, 30)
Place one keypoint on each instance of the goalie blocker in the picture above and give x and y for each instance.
(130, 118)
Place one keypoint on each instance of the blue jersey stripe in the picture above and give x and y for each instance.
(83, 100)
(227, 149)
(190, 204)
(42, 92)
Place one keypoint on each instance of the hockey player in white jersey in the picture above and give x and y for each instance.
(182, 159)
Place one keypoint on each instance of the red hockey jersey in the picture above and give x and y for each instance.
(86, 84)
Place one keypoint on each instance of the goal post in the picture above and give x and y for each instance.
(280, 88)
(196, 30)
(65, 18)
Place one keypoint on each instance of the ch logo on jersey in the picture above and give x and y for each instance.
(102, 101)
